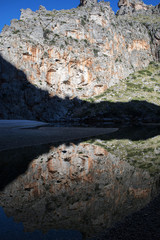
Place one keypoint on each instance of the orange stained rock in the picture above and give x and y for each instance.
(52, 189)
(34, 164)
(98, 68)
(51, 53)
(138, 45)
(54, 53)
(50, 165)
(37, 70)
(50, 76)
(31, 185)
(106, 46)
(89, 76)
(65, 55)
(33, 54)
(26, 57)
(119, 43)
(39, 172)
(90, 38)
(88, 62)
(119, 196)
(82, 79)
(88, 178)
(140, 193)
(90, 163)
(98, 89)
(70, 48)
(36, 191)
(104, 22)
(74, 34)
(71, 64)
(32, 78)
(58, 85)
(100, 151)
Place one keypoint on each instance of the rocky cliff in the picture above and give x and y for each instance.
(77, 53)
(137, 11)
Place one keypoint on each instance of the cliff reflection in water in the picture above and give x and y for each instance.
(81, 187)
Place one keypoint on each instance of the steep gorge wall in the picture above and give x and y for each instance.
(76, 53)
(136, 11)
(80, 52)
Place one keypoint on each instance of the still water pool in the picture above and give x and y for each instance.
(77, 190)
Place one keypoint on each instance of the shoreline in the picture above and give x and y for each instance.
(22, 133)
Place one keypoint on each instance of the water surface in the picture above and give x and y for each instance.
(77, 190)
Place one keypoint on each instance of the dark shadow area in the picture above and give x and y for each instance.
(135, 133)
(15, 162)
(19, 99)
(143, 225)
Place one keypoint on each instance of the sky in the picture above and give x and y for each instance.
(10, 9)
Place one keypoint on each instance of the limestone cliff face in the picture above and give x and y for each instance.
(76, 53)
(81, 187)
(136, 10)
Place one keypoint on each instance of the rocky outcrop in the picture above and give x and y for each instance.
(88, 2)
(130, 6)
(133, 6)
(156, 10)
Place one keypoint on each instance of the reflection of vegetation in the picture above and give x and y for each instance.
(144, 154)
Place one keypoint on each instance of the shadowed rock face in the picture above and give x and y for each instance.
(81, 187)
